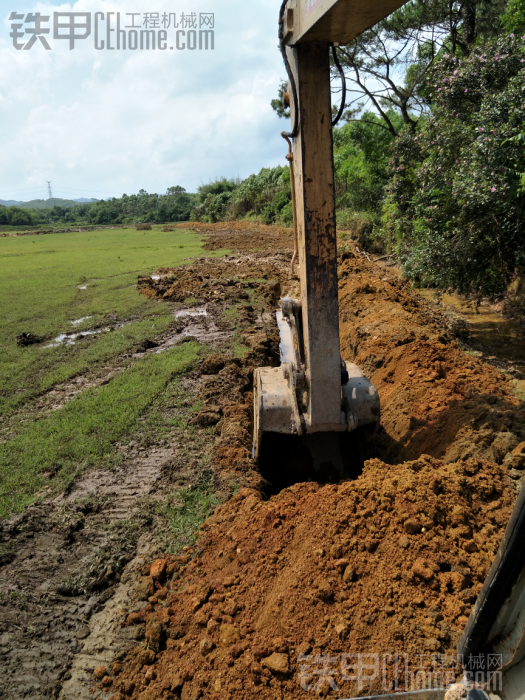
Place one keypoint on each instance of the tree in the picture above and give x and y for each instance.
(514, 17)
(456, 203)
(361, 160)
(175, 191)
(386, 66)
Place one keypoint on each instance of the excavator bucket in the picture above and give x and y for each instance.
(290, 452)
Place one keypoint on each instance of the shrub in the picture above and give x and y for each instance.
(143, 227)
(456, 202)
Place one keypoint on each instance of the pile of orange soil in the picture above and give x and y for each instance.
(391, 562)
(435, 399)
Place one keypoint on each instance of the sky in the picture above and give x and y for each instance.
(100, 123)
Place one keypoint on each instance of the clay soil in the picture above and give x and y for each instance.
(390, 562)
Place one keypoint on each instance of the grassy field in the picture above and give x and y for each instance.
(47, 283)
(41, 294)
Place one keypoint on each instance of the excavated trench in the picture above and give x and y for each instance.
(325, 458)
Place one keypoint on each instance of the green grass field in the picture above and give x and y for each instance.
(40, 292)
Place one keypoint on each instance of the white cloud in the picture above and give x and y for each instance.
(113, 121)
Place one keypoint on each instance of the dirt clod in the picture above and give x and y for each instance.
(145, 588)
(277, 664)
(25, 339)
(100, 672)
(158, 570)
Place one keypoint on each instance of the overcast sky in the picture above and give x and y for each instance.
(98, 123)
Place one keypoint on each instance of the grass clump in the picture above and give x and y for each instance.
(185, 512)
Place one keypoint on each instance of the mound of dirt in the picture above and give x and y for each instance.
(435, 399)
(389, 563)
(226, 279)
(243, 235)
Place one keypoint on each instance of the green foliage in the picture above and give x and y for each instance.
(361, 156)
(514, 17)
(266, 195)
(16, 216)
(456, 203)
(175, 205)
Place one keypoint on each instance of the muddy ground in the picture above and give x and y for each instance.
(298, 572)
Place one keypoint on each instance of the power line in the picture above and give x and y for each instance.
(49, 190)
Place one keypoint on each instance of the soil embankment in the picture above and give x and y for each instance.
(435, 398)
(388, 563)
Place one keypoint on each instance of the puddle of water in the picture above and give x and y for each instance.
(70, 338)
(155, 277)
(200, 311)
(80, 320)
(286, 347)
(208, 333)
(503, 338)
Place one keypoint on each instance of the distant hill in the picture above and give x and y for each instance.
(46, 203)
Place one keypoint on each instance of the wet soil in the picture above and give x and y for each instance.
(389, 562)
(211, 329)
(65, 564)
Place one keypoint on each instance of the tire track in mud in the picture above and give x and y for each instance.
(69, 557)
(210, 330)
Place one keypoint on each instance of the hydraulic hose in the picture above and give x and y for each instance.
(343, 86)
(295, 120)
(289, 158)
